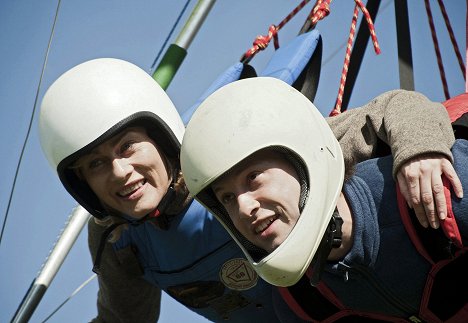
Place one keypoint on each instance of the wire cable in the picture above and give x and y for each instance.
(30, 122)
(170, 34)
(70, 297)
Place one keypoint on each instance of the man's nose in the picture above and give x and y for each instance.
(248, 205)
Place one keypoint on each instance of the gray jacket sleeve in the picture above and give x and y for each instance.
(123, 296)
(407, 121)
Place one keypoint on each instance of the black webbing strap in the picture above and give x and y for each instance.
(308, 81)
(102, 244)
(405, 59)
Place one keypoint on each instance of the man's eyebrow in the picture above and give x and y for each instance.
(236, 171)
(216, 189)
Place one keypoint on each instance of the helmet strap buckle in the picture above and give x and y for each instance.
(330, 240)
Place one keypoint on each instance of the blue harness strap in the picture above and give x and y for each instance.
(294, 64)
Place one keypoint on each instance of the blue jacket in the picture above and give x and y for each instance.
(383, 272)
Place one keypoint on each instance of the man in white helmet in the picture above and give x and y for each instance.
(113, 137)
(259, 155)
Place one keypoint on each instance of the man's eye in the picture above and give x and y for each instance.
(253, 176)
(95, 163)
(227, 198)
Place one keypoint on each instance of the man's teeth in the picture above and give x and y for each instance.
(130, 189)
(264, 225)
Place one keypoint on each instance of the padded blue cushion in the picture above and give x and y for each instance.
(289, 61)
(230, 75)
(286, 64)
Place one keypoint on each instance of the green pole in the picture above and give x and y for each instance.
(177, 51)
(169, 65)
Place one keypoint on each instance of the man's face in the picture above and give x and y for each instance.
(127, 172)
(261, 195)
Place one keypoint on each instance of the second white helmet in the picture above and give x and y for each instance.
(244, 117)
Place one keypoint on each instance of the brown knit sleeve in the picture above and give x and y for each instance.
(408, 122)
(123, 296)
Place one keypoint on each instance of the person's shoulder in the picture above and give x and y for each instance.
(195, 206)
(94, 228)
(198, 212)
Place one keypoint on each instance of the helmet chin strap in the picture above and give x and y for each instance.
(330, 240)
(165, 201)
(155, 216)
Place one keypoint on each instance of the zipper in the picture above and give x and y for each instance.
(386, 295)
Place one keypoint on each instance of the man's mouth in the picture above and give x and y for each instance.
(265, 224)
(128, 190)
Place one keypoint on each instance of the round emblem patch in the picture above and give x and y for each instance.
(238, 274)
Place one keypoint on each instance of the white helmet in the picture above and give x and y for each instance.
(92, 102)
(244, 117)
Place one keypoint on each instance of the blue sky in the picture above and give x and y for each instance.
(135, 31)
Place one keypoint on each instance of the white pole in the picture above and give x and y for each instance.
(54, 261)
(193, 24)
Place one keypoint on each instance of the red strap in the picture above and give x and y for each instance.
(457, 106)
(449, 225)
(405, 218)
(293, 305)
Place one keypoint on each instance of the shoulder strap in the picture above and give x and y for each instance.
(308, 302)
(405, 59)
(433, 245)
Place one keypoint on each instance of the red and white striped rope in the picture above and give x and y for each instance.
(320, 11)
(261, 42)
(344, 73)
(292, 14)
(437, 49)
(456, 48)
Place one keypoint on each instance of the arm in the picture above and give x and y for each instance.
(406, 121)
(415, 129)
(123, 296)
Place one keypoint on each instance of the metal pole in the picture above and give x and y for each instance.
(54, 261)
(177, 51)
